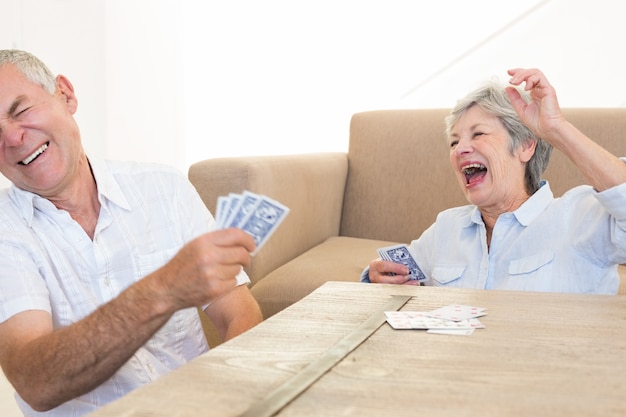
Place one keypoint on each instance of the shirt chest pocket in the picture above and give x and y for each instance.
(145, 264)
(531, 264)
(447, 274)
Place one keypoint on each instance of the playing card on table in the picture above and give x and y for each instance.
(400, 254)
(453, 332)
(406, 319)
(421, 320)
(457, 312)
(257, 215)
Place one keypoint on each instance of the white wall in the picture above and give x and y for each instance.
(281, 76)
(176, 81)
(144, 81)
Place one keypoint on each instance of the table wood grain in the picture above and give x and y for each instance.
(540, 354)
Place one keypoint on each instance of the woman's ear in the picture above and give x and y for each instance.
(527, 150)
(65, 90)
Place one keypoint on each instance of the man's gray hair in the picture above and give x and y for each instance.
(30, 66)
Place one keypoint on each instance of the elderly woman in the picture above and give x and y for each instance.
(515, 235)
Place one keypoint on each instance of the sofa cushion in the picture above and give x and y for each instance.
(344, 256)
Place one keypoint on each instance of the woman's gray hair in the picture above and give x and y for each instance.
(492, 98)
(31, 67)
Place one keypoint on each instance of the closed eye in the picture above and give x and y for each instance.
(16, 108)
(21, 112)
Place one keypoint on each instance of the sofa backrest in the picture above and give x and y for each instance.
(298, 181)
(399, 176)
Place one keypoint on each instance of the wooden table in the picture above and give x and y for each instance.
(539, 355)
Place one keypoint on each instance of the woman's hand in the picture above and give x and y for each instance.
(542, 115)
(387, 272)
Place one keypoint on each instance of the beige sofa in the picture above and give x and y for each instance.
(387, 188)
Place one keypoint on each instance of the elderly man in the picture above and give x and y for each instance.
(104, 263)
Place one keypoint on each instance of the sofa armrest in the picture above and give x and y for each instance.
(311, 185)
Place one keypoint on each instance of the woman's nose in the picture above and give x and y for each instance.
(463, 146)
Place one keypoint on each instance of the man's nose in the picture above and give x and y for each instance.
(11, 133)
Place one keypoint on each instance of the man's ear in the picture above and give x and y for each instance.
(65, 90)
(527, 150)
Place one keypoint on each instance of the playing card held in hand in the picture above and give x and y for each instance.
(400, 254)
(257, 215)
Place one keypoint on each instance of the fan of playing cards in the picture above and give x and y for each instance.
(255, 214)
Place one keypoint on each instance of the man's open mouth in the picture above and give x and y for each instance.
(34, 155)
(474, 173)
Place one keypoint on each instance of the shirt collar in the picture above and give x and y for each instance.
(536, 204)
(527, 212)
(108, 189)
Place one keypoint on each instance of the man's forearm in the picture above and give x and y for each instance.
(235, 313)
(71, 361)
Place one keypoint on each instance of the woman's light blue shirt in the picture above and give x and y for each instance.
(567, 244)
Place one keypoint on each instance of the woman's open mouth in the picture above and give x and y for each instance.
(474, 173)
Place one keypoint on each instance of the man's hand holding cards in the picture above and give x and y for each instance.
(255, 214)
(400, 254)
